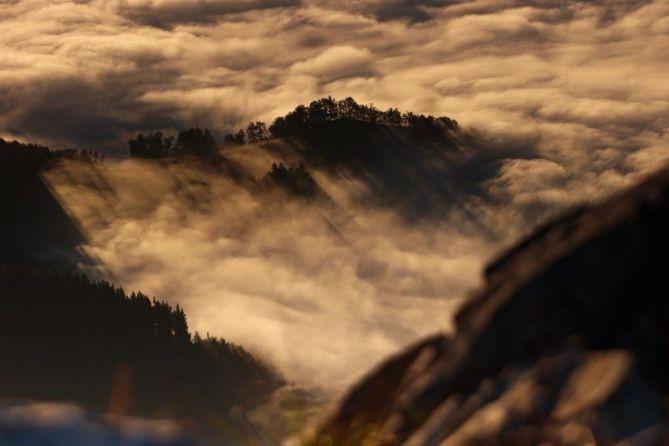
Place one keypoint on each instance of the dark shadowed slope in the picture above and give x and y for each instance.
(567, 344)
(401, 167)
(422, 166)
(406, 161)
(64, 338)
(34, 228)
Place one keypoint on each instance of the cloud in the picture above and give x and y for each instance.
(338, 62)
(563, 101)
(485, 63)
(170, 12)
(298, 282)
(413, 11)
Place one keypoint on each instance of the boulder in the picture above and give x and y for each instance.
(567, 343)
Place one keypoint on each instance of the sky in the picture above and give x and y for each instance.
(580, 86)
(94, 72)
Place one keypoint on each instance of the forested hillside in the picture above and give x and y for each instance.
(71, 338)
(66, 338)
(412, 162)
(34, 227)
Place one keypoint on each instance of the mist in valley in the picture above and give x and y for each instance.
(325, 252)
(322, 287)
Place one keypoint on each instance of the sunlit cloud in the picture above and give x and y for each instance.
(270, 272)
(568, 102)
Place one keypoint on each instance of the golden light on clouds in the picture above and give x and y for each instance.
(567, 98)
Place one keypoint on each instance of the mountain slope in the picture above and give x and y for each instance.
(34, 228)
(65, 338)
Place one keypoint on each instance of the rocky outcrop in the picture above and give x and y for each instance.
(61, 424)
(566, 344)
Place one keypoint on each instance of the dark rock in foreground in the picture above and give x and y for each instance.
(49, 424)
(567, 344)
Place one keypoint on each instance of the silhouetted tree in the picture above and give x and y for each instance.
(239, 137)
(392, 116)
(180, 326)
(328, 109)
(62, 336)
(322, 110)
(292, 123)
(348, 109)
(33, 224)
(153, 145)
(196, 141)
(87, 155)
(296, 179)
(201, 141)
(235, 139)
(256, 132)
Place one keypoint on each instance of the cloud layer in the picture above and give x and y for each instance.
(322, 289)
(94, 72)
(579, 85)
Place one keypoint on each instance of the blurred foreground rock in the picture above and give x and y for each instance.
(566, 344)
(55, 424)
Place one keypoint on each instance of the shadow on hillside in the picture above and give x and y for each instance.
(34, 227)
(423, 173)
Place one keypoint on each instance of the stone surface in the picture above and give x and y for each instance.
(62, 424)
(566, 344)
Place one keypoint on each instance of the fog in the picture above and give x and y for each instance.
(323, 289)
(567, 100)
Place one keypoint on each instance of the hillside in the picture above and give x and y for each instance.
(411, 169)
(240, 234)
(419, 165)
(65, 338)
(70, 339)
(35, 228)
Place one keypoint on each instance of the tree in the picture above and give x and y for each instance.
(296, 180)
(348, 108)
(180, 326)
(328, 109)
(256, 132)
(369, 113)
(196, 141)
(447, 122)
(322, 110)
(392, 116)
(235, 139)
(75, 332)
(293, 123)
(279, 127)
(298, 118)
(153, 145)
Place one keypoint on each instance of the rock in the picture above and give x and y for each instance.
(567, 343)
(56, 424)
(370, 403)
